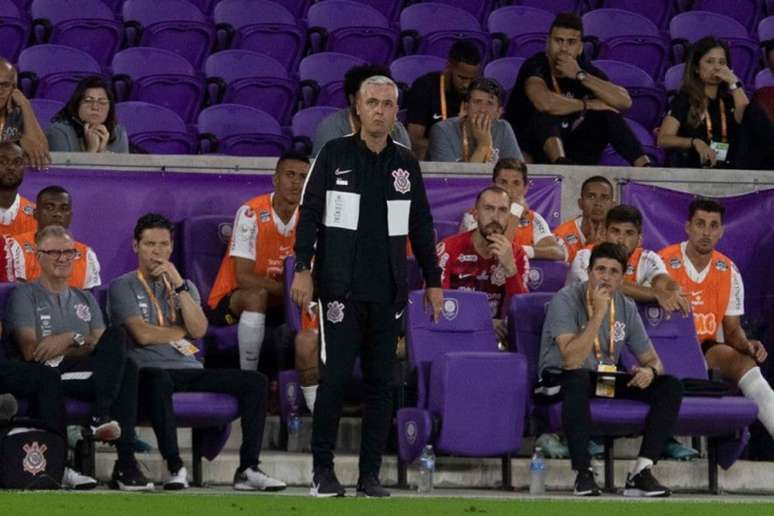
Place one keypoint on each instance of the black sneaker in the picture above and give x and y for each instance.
(585, 485)
(644, 484)
(369, 487)
(128, 477)
(105, 429)
(326, 485)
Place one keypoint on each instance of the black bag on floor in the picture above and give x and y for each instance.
(31, 456)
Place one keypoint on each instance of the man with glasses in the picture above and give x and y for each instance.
(16, 212)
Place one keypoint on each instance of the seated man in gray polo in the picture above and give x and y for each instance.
(161, 311)
(478, 134)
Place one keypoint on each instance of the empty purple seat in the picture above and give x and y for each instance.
(406, 69)
(389, 8)
(648, 99)
(519, 31)
(626, 36)
(160, 77)
(45, 109)
(242, 131)
(746, 12)
(14, 30)
(504, 70)
(766, 29)
(764, 78)
(432, 28)
(611, 158)
(304, 125)
(322, 78)
(476, 394)
(478, 8)
(155, 129)
(657, 11)
(296, 7)
(83, 24)
(554, 6)
(351, 28)
(261, 26)
(252, 79)
(546, 275)
(205, 6)
(673, 78)
(52, 71)
(174, 25)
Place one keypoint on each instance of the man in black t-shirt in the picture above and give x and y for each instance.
(564, 110)
(424, 103)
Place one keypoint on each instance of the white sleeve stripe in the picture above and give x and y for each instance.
(540, 228)
(92, 278)
(736, 295)
(244, 234)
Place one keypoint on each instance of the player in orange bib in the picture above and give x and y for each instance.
(54, 208)
(525, 227)
(249, 282)
(16, 212)
(717, 297)
(587, 229)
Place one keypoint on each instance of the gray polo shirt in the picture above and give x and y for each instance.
(32, 306)
(446, 141)
(127, 297)
(337, 125)
(567, 314)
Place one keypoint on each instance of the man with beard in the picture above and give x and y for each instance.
(16, 212)
(248, 289)
(587, 229)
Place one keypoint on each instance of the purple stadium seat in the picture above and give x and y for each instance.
(174, 25)
(478, 8)
(445, 228)
(351, 28)
(52, 71)
(83, 24)
(504, 70)
(657, 11)
(322, 78)
(519, 31)
(432, 28)
(406, 69)
(205, 6)
(476, 393)
(304, 125)
(766, 30)
(673, 78)
(155, 129)
(45, 109)
(261, 26)
(687, 27)
(626, 36)
(160, 77)
(242, 131)
(389, 8)
(764, 78)
(646, 139)
(648, 99)
(546, 275)
(297, 7)
(746, 12)
(251, 79)
(554, 6)
(14, 30)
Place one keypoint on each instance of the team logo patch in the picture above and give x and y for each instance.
(28, 210)
(450, 308)
(225, 230)
(249, 213)
(619, 331)
(498, 276)
(411, 431)
(629, 269)
(654, 315)
(402, 183)
(721, 266)
(440, 248)
(335, 312)
(264, 216)
(34, 461)
(29, 248)
(82, 312)
(534, 278)
(571, 239)
(675, 263)
(523, 222)
(472, 258)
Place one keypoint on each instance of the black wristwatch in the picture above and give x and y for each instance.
(78, 340)
(300, 267)
(655, 373)
(735, 86)
(183, 288)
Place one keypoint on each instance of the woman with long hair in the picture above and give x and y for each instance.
(87, 123)
(702, 125)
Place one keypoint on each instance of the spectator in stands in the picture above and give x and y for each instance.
(702, 124)
(16, 212)
(53, 207)
(477, 135)
(564, 109)
(485, 259)
(346, 121)
(437, 96)
(161, 311)
(87, 123)
(17, 119)
(716, 293)
(588, 228)
(62, 327)
(578, 345)
(524, 226)
(248, 289)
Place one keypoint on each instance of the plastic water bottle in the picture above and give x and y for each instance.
(426, 469)
(295, 423)
(537, 473)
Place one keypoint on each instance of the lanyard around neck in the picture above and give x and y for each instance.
(155, 300)
(723, 122)
(466, 145)
(611, 328)
(442, 86)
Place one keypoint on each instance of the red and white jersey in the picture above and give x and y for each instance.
(11, 260)
(462, 268)
(643, 267)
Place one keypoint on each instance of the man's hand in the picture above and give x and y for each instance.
(168, 269)
(481, 127)
(673, 300)
(600, 299)
(643, 377)
(433, 302)
(301, 289)
(567, 66)
(33, 142)
(500, 246)
(757, 351)
(48, 349)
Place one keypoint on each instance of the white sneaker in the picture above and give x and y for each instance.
(177, 481)
(74, 480)
(253, 479)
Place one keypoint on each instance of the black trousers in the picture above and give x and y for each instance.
(112, 385)
(663, 395)
(249, 387)
(585, 143)
(349, 329)
(40, 385)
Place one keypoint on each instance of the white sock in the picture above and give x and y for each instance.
(755, 387)
(250, 332)
(640, 464)
(310, 396)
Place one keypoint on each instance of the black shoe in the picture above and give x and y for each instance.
(105, 429)
(326, 485)
(585, 485)
(644, 484)
(369, 487)
(128, 477)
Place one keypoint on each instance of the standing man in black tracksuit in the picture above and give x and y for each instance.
(363, 196)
